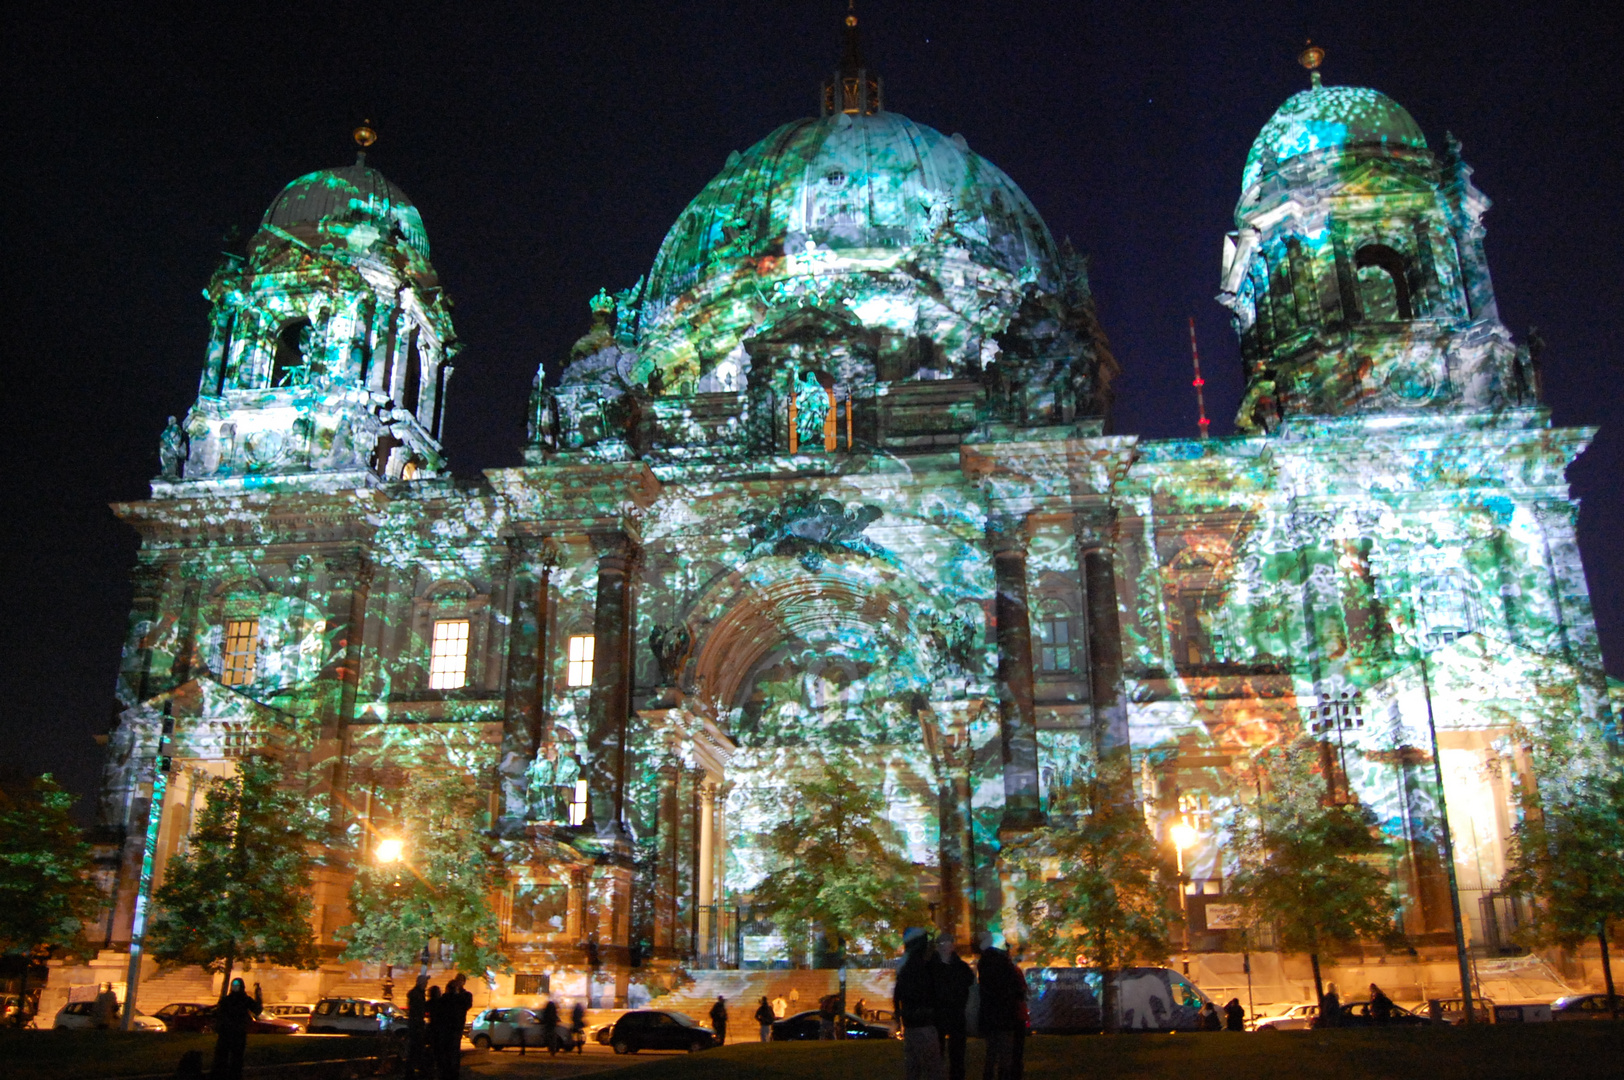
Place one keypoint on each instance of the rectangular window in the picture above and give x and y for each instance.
(448, 659)
(578, 801)
(581, 650)
(525, 982)
(240, 653)
(1054, 645)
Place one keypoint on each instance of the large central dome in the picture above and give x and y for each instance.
(888, 218)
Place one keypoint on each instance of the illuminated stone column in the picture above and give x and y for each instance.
(706, 885)
(349, 581)
(610, 705)
(1016, 717)
(1104, 631)
(668, 874)
(526, 666)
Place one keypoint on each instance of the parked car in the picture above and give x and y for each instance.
(657, 1029)
(1358, 1014)
(81, 1015)
(9, 1006)
(187, 1016)
(805, 1026)
(355, 1016)
(1296, 1018)
(294, 1012)
(1453, 1010)
(1584, 1007)
(494, 1029)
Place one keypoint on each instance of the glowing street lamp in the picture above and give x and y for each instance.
(391, 849)
(1183, 835)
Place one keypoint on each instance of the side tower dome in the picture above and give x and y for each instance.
(1356, 273)
(331, 347)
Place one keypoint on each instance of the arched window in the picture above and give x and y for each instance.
(1384, 287)
(291, 365)
(413, 383)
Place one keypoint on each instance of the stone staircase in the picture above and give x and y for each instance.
(745, 989)
(180, 984)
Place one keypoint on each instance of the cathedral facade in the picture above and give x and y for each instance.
(836, 482)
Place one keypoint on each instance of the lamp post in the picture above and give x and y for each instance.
(1183, 835)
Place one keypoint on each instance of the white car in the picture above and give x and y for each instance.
(1297, 1018)
(293, 1012)
(81, 1016)
(354, 1016)
(494, 1029)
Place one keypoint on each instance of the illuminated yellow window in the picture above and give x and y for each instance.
(581, 649)
(448, 658)
(240, 653)
(578, 801)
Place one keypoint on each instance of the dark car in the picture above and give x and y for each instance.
(805, 1026)
(1358, 1014)
(187, 1016)
(656, 1029)
(1584, 1007)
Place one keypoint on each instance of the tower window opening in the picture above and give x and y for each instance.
(412, 387)
(581, 650)
(291, 364)
(239, 658)
(1054, 644)
(448, 655)
(1384, 288)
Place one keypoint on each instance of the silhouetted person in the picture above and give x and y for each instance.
(1330, 1010)
(953, 982)
(106, 1008)
(915, 1000)
(718, 1018)
(417, 1025)
(578, 1025)
(1234, 1016)
(445, 1026)
(1003, 1012)
(764, 1017)
(549, 1027)
(1209, 1017)
(232, 1016)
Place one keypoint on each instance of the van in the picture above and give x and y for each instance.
(1066, 1001)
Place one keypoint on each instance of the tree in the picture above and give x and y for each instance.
(439, 887)
(1096, 880)
(840, 863)
(241, 889)
(1568, 852)
(46, 893)
(1303, 859)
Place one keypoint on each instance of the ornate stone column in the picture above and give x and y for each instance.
(610, 705)
(1104, 631)
(706, 885)
(1018, 738)
(669, 827)
(523, 700)
(349, 581)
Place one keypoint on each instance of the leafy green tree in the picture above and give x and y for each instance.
(841, 865)
(46, 893)
(1097, 881)
(1304, 862)
(440, 886)
(241, 889)
(1568, 853)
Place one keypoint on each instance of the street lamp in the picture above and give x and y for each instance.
(391, 849)
(1184, 835)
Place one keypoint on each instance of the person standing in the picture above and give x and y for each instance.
(1234, 1016)
(578, 1026)
(417, 1026)
(718, 1017)
(105, 1008)
(765, 1017)
(1209, 1017)
(780, 1007)
(953, 984)
(231, 1019)
(1003, 1012)
(1381, 1006)
(454, 1006)
(915, 1001)
(828, 1005)
(549, 1026)
(1330, 1008)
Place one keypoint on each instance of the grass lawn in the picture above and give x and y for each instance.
(60, 1055)
(1571, 1051)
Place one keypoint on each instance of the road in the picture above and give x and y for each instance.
(538, 1063)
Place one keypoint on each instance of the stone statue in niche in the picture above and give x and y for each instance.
(543, 784)
(173, 446)
(672, 646)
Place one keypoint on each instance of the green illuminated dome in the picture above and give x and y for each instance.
(864, 205)
(1331, 117)
(339, 200)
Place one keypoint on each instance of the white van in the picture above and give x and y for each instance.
(1066, 1001)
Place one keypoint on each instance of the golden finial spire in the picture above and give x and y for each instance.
(1311, 58)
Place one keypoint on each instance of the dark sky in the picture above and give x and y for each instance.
(550, 146)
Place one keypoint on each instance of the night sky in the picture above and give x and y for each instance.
(549, 147)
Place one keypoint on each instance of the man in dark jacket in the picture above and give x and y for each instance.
(447, 1027)
(953, 982)
(549, 1026)
(1003, 1012)
(718, 1017)
(417, 1026)
(914, 1001)
(232, 1016)
(1234, 1016)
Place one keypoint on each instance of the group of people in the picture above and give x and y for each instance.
(932, 999)
(434, 1023)
(1233, 1018)
(1330, 1010)
(550, 1022)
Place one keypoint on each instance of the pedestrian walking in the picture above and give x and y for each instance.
(915, 1002)
(417, 1027)
(765, 1017)
(1234, 1016)
(578, 1025)
(953, 983)
(1003, 1012)
(549, 1027)
(231, 1019)
(718, 1016)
